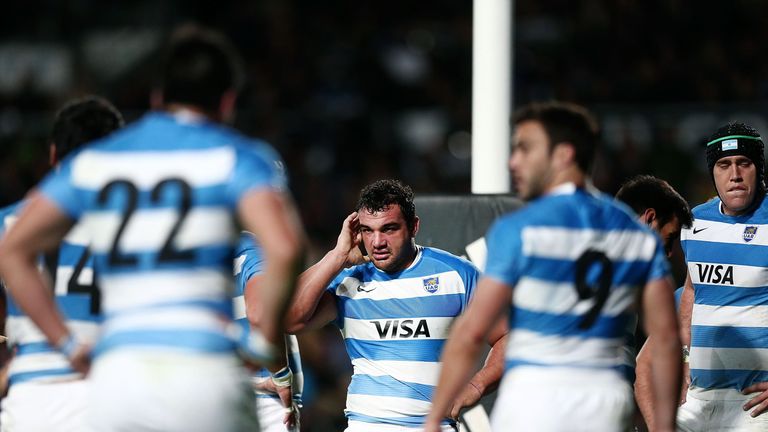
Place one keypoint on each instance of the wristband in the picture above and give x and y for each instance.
(686, 354)
(68, 345)
(283, 377)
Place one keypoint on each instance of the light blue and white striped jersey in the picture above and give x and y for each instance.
(577, 261)
(157, 200)
(77, 298)
(394, 327)
(249, 262)
(727, 258)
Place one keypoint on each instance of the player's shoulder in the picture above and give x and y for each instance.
(365, 272)
(444, 259)
(707, 210)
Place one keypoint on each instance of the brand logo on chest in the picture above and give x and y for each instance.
(749, 233)
(431, 284)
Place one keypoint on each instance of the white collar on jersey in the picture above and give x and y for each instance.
(568, 188)
(187, 116)
(563, 189)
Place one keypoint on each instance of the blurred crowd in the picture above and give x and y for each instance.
(352, 91)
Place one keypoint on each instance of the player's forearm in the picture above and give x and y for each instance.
(487, 379)
(458, 359)
(666, 367)
(311, 285)
(686, 312)
(643, 387)
(280, 279)
(28, 288)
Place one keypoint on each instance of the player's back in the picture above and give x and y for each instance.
(158, 201)
(576, 261)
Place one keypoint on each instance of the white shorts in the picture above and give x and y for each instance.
(150, 391)
(358, 426)
(563, 399)
(45, 407)
(723, 413)
(270, 413)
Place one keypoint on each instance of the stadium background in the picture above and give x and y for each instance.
(352, 91)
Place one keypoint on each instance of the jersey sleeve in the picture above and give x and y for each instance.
(256, 167)
(504, 252)
(469, 276)
(659, 264)
(58, 187)
(249, 261)
(331, 288)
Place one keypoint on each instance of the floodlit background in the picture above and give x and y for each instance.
(351, 91)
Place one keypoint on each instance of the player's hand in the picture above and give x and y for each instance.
(291, 417)
(349, 241)
(468, 397)
(759, 402)
(81, 359)
(686, 382)
(432, 426)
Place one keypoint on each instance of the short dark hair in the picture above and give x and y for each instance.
(83, 120)
(380, 194)
(199, 66)
(645, 191)
(565, 122)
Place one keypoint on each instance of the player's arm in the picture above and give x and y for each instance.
(488, 377)
(313, 306)
(467, 336)
(661, 325)
(759, 403)
(271, 216)
(685, 315)
(40, 227)
(643, 389)
(643, 386)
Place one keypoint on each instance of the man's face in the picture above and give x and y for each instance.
(387, 239)
(530, 162)
(735, 180)
(669, 233)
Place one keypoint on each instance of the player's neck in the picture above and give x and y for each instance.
(570, 175)
(190, 112)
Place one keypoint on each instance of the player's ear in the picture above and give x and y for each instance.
(415, 226)
(227, 106)
(156, 99)
(564, 154)
(52, 156)
(648, 216)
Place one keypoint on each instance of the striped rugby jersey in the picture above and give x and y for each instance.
(394, 327)
(249, 262)
(77, 298)
(727, 258)
(577, 261)
(157, 200)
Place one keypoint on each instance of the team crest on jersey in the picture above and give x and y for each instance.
(431, 284)
(749, 233)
